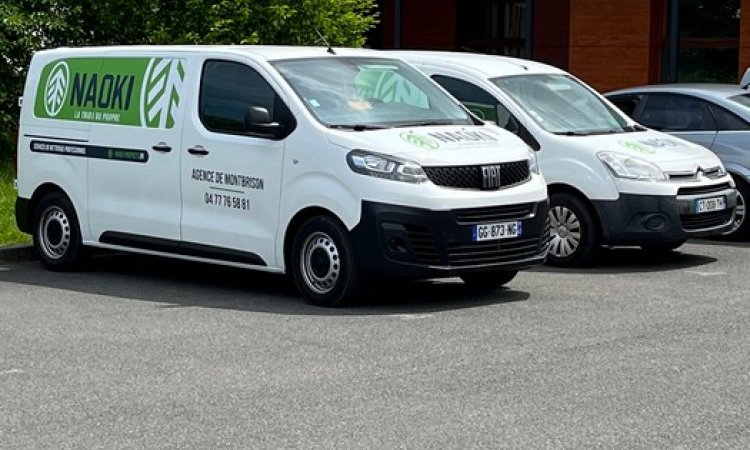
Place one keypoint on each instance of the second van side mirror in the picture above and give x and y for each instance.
(258, 122)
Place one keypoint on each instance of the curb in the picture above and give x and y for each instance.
(17, 253)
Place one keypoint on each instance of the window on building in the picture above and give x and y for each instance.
(493, 26)
(708, 40)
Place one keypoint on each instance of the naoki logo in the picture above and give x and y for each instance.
(57, 88)
(420, 140)
(637, 146)
(140, 92)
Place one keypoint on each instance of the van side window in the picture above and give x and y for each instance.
(480, 102)
(228, 89)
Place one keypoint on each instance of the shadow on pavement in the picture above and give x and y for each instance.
(634, 260)
(186, 284)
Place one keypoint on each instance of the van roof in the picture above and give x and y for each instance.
(490, 66)
(266, 52)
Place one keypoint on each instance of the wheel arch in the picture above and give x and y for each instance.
(562, 188)
(296, 222)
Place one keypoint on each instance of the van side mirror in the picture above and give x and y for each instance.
(258, 122)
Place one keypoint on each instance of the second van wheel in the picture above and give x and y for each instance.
(575, 237)
(323, 263)
(57, 235)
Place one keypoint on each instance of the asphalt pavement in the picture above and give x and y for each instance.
(141, 352)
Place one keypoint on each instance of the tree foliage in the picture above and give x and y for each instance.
(30, 25)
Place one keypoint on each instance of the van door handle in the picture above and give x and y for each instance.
(198, 150)
(162, 147)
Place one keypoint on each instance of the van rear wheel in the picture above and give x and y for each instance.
(57, 234)
(323, 263)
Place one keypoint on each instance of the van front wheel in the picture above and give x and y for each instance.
(57, 235)
(574, 232)
(323, 263)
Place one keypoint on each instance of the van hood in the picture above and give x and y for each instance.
(437, 145)
(670, 153)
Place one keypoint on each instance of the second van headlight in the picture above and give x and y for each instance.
(533, 162)
(387, 167)
(631, 167)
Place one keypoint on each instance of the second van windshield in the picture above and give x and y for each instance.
(363, 93)
(561, 105)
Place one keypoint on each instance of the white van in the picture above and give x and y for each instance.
(326, 164)
(611, 181)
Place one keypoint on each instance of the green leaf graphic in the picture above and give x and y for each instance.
(161, 92)
(419, 140)
(56, 89)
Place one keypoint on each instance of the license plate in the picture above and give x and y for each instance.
(710, 204)
(494, 231)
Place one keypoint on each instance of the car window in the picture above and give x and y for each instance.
(480, 102)
(627, 103)
(228, 89)
(676, 113)
(728, 120)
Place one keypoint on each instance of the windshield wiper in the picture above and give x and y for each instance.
(358, 127)
(426, 123)
(586, 132)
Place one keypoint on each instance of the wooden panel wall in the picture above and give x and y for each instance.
(552, 32)
(426, 24)
(610, 42)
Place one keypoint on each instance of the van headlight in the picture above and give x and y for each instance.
(533, 162)
(387, 167)
(631, 167)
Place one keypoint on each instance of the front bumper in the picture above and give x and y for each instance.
(419, 243)
(635, 219)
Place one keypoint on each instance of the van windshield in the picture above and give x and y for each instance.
(369, 93)
(561, 105)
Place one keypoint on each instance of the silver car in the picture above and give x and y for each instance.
(716, 116)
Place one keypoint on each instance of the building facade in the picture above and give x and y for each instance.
(608, 43)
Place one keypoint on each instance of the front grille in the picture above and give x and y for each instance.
(705, 220)
(493, 213)
(423, 244)
(697, 190)
(474, 253)
(470, 177)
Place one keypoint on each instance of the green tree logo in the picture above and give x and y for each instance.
(160, 94)
(637, 146)
(57, 88)
(420, 140)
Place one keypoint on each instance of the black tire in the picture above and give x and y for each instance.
(57, 233)
(574, 240)
(662, 247)
(487, 281)
(323, 263)
(741, 230)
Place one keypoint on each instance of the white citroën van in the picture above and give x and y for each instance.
(326, 164)
(611, 181)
